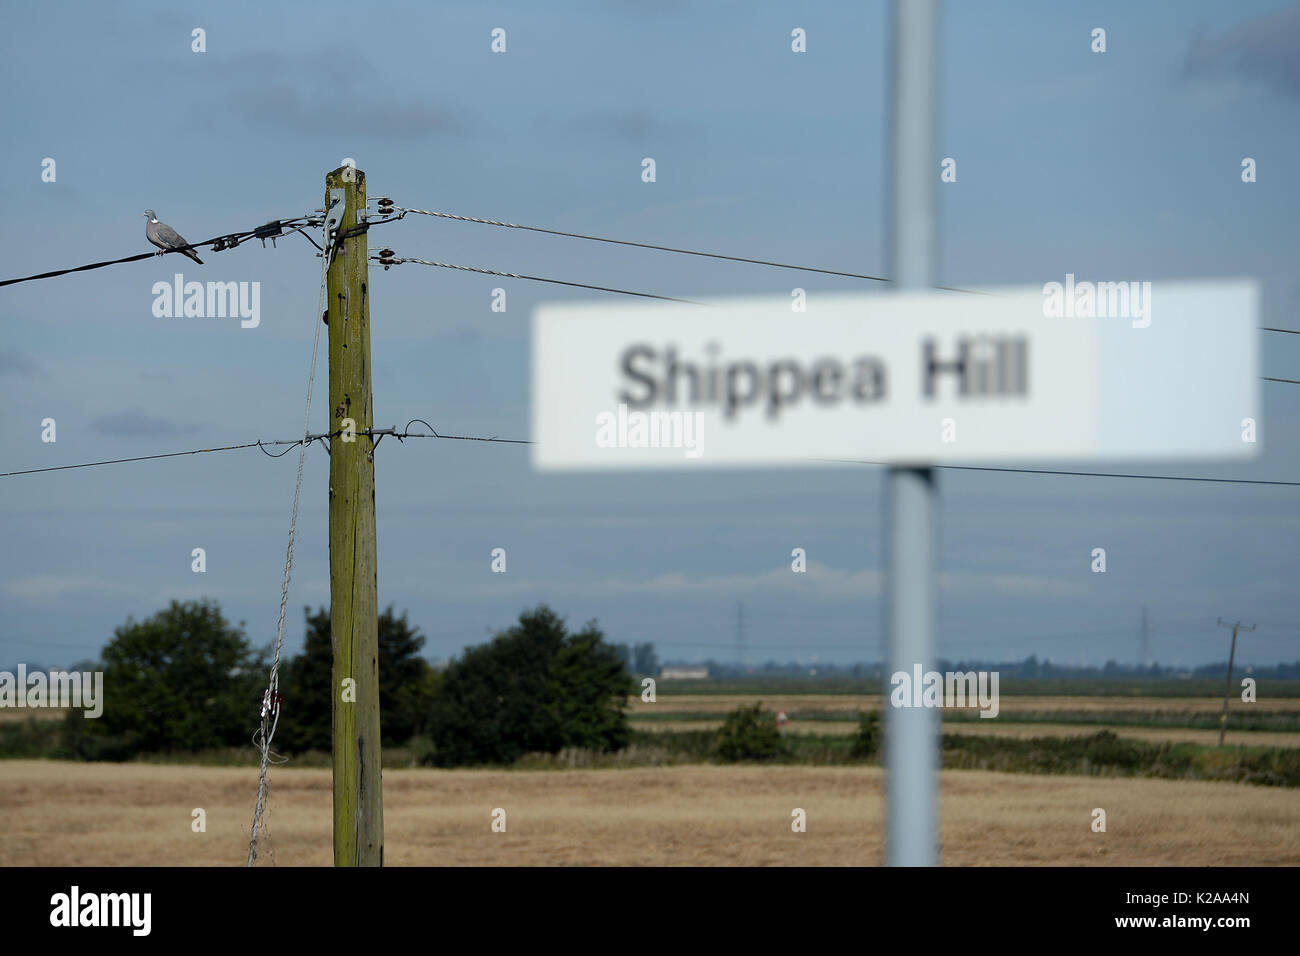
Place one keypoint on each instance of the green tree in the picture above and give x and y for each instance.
(645, 660)
(749, 733)
(532, 688)
(866, 742)
(407, 683)
(183, 679)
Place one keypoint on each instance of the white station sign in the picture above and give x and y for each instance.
(1066, 371)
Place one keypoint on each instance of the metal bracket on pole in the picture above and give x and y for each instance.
(334, 219)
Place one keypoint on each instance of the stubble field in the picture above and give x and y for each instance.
(77, 814)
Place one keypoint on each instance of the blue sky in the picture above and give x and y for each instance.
(1123, 165)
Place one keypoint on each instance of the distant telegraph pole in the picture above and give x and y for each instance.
(1227, 690)
(1145, 650)
(354, 600)
(740, 639)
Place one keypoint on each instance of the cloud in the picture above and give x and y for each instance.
(820, 582)
(634, 126)
(1025, 586)
(824, 582)
(15, 363)
(461, 335)
(1265, 50)
(46, 588)
(323, 98)
(134, 423)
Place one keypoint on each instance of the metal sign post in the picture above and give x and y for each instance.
(911, 495)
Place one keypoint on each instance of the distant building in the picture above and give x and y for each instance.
(684, 673)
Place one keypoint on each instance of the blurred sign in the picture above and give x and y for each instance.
(1066, 371)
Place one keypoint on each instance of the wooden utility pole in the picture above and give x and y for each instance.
(1232, 656)
(354, 600)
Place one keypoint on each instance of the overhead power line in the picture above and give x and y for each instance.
(402, 210)
(271, 230)
(1081, 474)
(118, 461)
(399, 212)
(378, 434)
(373, 433)
(386, 208)
(392, 260)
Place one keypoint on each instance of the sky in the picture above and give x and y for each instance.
(1116, 165)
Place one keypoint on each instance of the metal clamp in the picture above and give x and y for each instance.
(334, 218)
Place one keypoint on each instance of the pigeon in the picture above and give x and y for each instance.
(165, 237)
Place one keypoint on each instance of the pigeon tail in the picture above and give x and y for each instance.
(190, 253)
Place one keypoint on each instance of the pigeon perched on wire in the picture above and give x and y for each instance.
(165, 237)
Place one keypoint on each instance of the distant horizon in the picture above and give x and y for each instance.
(814, 661)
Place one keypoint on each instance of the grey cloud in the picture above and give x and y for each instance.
(319, 97)
(1263, 50)
(15, 363)
(646, 6)
(635, 126)
(134, 423)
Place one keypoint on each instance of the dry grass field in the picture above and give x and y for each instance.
(57, 813)
(1094, 710)
(720, 704)
(992, 728)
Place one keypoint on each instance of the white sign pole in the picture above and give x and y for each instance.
(911, 496)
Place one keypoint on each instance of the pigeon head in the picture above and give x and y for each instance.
(149, 214)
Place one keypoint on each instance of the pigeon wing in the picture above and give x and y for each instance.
(165, 237)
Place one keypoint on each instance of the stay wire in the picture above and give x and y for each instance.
(271, 702)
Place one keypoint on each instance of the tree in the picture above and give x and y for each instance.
(645, 660)
(532, 688)
(407, 683)
(184, 679)
(866, 742)
(749, 733)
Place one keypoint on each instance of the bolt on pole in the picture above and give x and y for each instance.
(911, 495)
